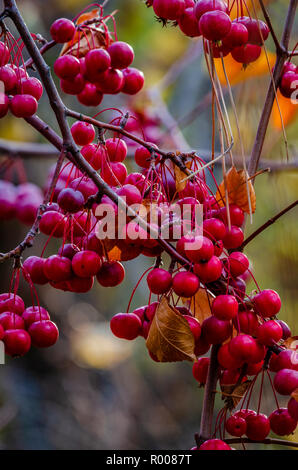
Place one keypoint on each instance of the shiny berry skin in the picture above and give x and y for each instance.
(286, 332)
(269, 333)
(293, 408)
(33, 314)
(17, 342)
(94, 154)
(237, 264)
(8, 77)
(246, 322)
(126, 325)
(214, 229)
(4, 105)
(233, 238)
(70, 200)
(226, 360)
(117, 149)
(215, 444)
(143, 156)
(258, 427)
(236, 426)
(97, 61)
(202, 6)
(83, 133)
(159, 281)
(86, 263)
(90, 95)
(286, 359)
(230, 377)
(111, 81)
(185, 284)
(73, 86)
(62, 30)
(31, 86)
(243, 347)
(44, 333)
(199, 249)
(216, 331)
(52, 223)
(80, 285)
(236, 215)
(282, 423)
(133, 81)
(225, 307)
(57, 268)
(210, 271)
(188, 23)
(194, 326)
(238, 35)
(111, 274)
(114, 173)
(131, 194)
(11, 303)
(215, 25)
(258, 31)
(67, 67)
(121, 53)
(34, 266)
(23, 106)
(286, 381)
(4, 54)
(200, 370)
(11, 321)
(246, 54)
(168, 9)
(267, 303)
(288, 84)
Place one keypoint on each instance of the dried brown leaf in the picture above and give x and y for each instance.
(295, 394)
(200, 305)
(180, 176)
(235, 183)
(170, 338)
(232, 394)
(291, 343)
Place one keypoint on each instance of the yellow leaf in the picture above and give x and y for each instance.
(235, 184)
(288, 111)
(232, 394)
(170, 338)
(237, 73)
(180, 176)
(295, 394)
(200, 305)
(235, 11)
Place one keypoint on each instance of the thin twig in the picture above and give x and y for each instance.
(268, 441)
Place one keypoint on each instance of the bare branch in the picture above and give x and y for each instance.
(268, 441)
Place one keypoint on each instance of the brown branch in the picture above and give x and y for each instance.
(266, 113)
(267, 224)
(279, 47)
(26, 150)
(268, 441)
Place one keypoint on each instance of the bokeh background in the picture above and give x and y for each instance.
(92, 391)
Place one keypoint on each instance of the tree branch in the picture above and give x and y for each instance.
(268, 441)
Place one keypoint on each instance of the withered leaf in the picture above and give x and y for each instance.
(232, 394)
(170, 338)
(291, 343)
(235, 183)
(200, 304)
(180, 176)
(295, 394)
(118, 250)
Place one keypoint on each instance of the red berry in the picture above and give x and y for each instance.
(210, 271)
(199, 249)
(34, 266)
(225, 307)
(80, 285)
(258, 31)
(143, 156)
(8, 77)
(258, 427)
(83, 133)
(214, 229)
(286, 332)
(90, 95)
(130, 193)
(288, 84)
(57, 268)
(194, 326)
(34, 314)
(52, 223)
(286, 381)
(215, 25)
(216, 331)
(73, 86)
(215, 444)
(17, 342)
(238, 35)
(281, 422)
(94, 154)
(188, 23)
(269, 333)
(31, 86)
(97, 61)
(236, 215)
(246, 54)
(70, 200)
(62, 30)
(86, 263)
(126, 325)
(44, 333)
(293, 408)
(168, 9)
(67, 67)
(121, 53)
(200, 370)
(246, 322)
(23, 106)
(114, 173)
(4, 54)
(111, 81)
(244, 347)
(133, 81)
(233, 238)
(236, 426)
(11, 321)
(111, 274)
(117, 149)
(159, 281)
(11, 303)
(185, 284)
(286, 359)
(226, 360)
(267, 303)
(202, 6)
(237, 264)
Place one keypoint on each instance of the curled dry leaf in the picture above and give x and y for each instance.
(291, 343)
(170, 338)
(232, 394)
(295, 394)
(235, 183)
(180, 176)
(200, 304)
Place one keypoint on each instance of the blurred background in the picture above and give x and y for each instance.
(92, 391)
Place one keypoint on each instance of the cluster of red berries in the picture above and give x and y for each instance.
(289, 81)
(100, 69)
(243, 37)
(20, 327)
(21, 92)
(20, 202)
